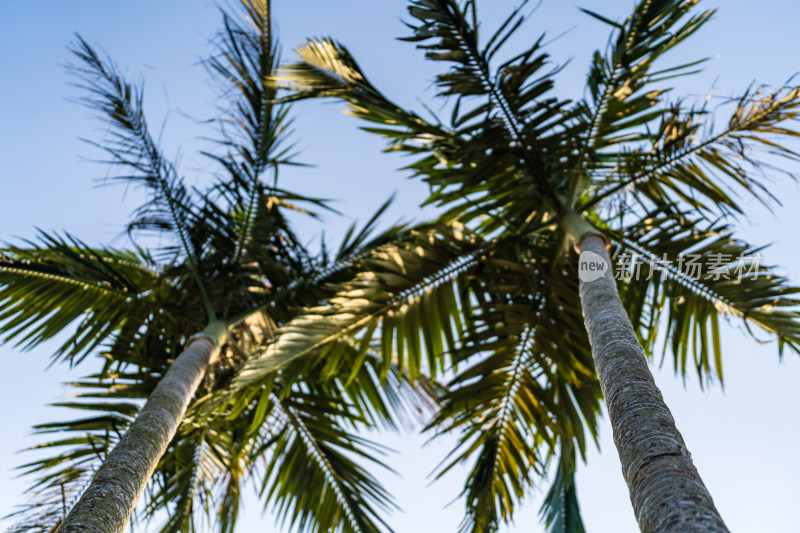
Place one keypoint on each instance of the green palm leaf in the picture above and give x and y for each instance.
(130, 146)
(46, 287)
(391, 284)
(527, 383)
(689, 273)
(701, 167)
(560, 509)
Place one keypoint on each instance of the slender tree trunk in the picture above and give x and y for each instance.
(107, 504)
(666, 490)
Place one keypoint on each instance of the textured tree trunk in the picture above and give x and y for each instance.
(107, 504)
(666, 490)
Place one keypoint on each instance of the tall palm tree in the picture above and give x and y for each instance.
(530, 179)
(226, 263)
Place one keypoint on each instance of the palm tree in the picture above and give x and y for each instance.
(527, 177)
(226, 263)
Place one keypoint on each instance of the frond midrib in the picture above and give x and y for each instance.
(648, 174)
(321, 460)
(428, 283)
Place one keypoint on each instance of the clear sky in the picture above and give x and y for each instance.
(742, 439)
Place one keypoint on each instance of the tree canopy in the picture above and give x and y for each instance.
(464, 241)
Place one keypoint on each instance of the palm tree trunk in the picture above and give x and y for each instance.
(666, 490)
(107, 504)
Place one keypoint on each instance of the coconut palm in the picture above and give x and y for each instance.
(529, 179)
(226, 263)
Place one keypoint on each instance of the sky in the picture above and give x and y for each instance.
(742, 437)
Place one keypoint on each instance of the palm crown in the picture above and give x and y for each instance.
(514, 165)
(226, 253)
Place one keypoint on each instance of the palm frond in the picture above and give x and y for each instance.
(47, 286)
(409, 288)
(254, 129)
(528, 382)
(622, 83)
(328, 70)
(686, 273)
(82, 445)
(184, 482)
(453, 161)
(312, 478)
(560, 510)
(512, 108)
(704, 168)
(130, 146)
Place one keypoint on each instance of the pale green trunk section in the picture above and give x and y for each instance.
(666, 490)
(107, 504)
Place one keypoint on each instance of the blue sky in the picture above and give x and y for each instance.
(743, 438)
